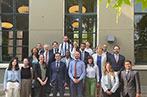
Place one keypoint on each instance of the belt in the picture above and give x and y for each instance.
(12, 81)
(76, 77)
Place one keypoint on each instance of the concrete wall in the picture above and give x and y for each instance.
(123, 31)
(46, 21)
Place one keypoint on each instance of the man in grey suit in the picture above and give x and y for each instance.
(67, 59)
(130, 83)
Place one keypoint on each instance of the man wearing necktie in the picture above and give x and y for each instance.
(55, 49)
(65, 46)
(83, 54)
(76, 73)
(130, 82)
(117, 61)
(58, 76)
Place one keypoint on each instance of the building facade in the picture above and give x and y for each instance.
(24, 23)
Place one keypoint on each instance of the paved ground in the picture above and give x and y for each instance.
(143, 89)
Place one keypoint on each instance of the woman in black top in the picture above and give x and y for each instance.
(41, 78)
(26, 78)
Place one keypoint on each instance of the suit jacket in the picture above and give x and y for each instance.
(60, 76)
(119, 66)
(37, 73)
(132, 85)
(40, 52)
(114, 82)
(64, 61)
(103, 60)
(51, 58)
(52, 51)
(108, 55)
(86, 54)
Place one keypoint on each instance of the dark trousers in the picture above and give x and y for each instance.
(127, 95)
(40, 91)
(76, 88)
(58, 87)
(112, 95)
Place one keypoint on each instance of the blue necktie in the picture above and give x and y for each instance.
(127, 75)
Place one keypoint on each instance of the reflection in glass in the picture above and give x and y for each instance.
(89, 5)
(6, 6)
(138, 7)
(7, 53)
(22, 6)
(22, 22)
(6, 38)
(21, 53)
(7, 19)
(140, 38)
(70, 3)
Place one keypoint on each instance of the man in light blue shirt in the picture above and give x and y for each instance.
(76, 74)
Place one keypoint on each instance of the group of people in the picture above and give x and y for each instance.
(85, 72)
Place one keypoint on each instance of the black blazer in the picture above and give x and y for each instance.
(60, 76)
(51, 58)
(40, 52)
(108, 55)
(38, 74)
(52, 52)
(119, 66)
(85, 57)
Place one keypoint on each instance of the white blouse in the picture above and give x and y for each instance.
(92, 72)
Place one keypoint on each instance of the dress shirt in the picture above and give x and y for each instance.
(117, 56)
(47, 57)
(92, 72)
(12, 75)
(80, 70)
(58, 64)
(89, 50)
(62, 48)
(128, 75)
(67, 62)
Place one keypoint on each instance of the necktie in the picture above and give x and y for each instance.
(46, 58)
(75, 73)
(116, 58)
(57, 66)
(127, 75)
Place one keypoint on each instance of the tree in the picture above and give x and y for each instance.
(118, 4)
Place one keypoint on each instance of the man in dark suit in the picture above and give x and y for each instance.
(39, 47)
(48, 57)
(58, 76)
(130, 83)
(105, 47)
(83, 54)
(117, 62)
(66, 45)
(55, 49)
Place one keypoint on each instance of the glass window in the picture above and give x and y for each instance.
(6, 6)
(140, 35)
(81, 21)
(14, 29)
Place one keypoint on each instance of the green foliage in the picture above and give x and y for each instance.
(118, 4)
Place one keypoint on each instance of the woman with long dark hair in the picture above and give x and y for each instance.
(41, 78)
(109, 81)
(12, 79)
(33, 59)
(92, 77)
